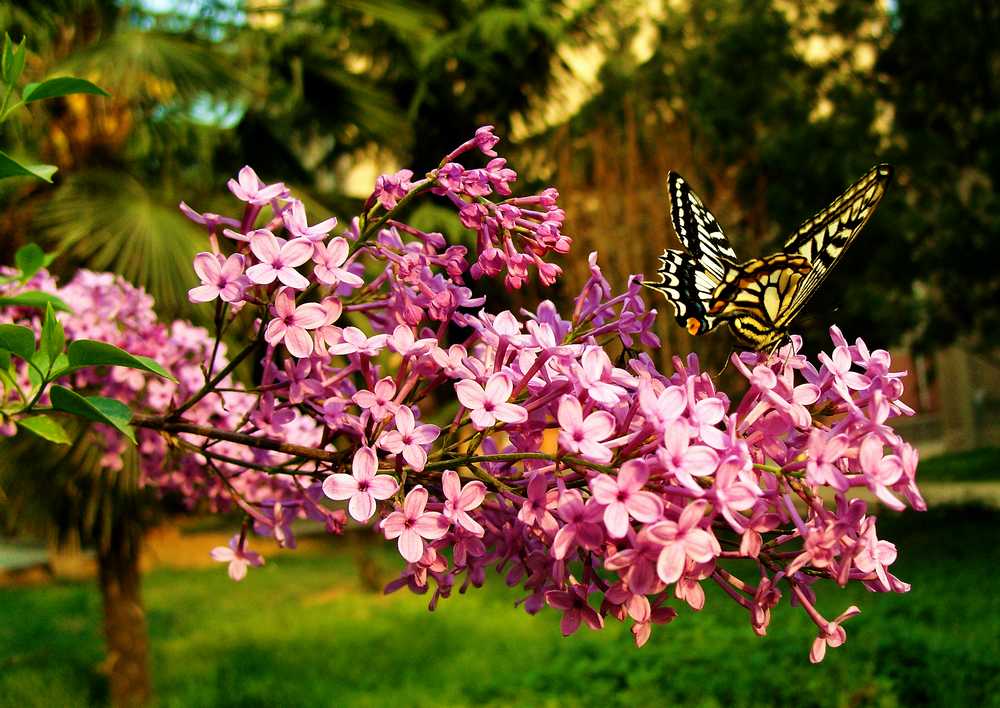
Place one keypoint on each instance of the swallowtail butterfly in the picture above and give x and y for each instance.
(759, 298)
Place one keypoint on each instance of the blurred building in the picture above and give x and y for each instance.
(956, 395)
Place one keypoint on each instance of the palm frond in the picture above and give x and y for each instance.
(110, 221)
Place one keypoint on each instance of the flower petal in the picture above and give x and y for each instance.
(340, 486)
(382, 486)
(431, 525)
(361, 507)
(411, 546)
(296, 252)
(298, 342)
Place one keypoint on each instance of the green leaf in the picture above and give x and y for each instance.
(96, 408)
(88, 352)
(29, 260)
(34, 298)
(4, 360)
(62, 86)
(45, 427)
(53, 338)
(13, 59)
(9, 167)
(17, 340)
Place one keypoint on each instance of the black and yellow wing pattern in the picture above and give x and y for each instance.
(761, 297)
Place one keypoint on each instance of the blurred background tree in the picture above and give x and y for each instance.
(769, 108)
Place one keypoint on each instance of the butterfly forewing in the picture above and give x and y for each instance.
(823, 239)
(697, 229)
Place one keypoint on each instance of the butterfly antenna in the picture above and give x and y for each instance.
(726, 364)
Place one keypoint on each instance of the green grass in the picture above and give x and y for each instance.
(980, 465)
(301, 632)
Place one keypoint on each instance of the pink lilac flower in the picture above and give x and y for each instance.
(389, 189)
(683, 460)
(573, 603)
(409, 439)
(535, 509)
(403, 342)
(662, 408)
(584, 435)
(330, 259)
(880, 472)
(488, 404)
(833, 635)
(354, 341)
(250, 189)
(683, 540)
(363, 487)
(459, 501)
(581, 524)
(209, 220)
(220, 278)
(731, 494)
(294, 218)
(875, 555)
(825, 453)
(637, 565)
(623, 497)
(596, 374)
(278, 259)
(238, 557)
(411, 525)
(291, 322)
(486, 140)
(379, 401)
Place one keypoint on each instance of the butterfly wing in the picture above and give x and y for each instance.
(823, 239)
(688, 286)
(689, 279)
(697, 229)
(753, 297)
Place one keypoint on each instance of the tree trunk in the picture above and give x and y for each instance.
(125, 628)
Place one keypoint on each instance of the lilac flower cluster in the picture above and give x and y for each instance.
(514, 441)
(106, 308)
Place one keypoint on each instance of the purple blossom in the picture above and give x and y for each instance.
(409, 439)
(488, 404)
(294, 219)
(250, 189)
(238, 558)
(290, 323)
(584, 435)
(459, 501)
(412, 525)
(330, 260)
(278, 259)
(363, 487)
(220, 278)
(682, 540)
(623, 497)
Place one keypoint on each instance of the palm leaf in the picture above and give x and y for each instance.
(110, 221)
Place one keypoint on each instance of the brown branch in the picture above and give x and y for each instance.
(261, 442)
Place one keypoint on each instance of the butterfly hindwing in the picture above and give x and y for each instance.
(688, 287)
(697, 229)
(753, 297)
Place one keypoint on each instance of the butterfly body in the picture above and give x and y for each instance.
(758, 299)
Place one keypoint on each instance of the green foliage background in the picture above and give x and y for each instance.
(769, 108)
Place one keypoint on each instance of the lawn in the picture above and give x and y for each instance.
(302, 632)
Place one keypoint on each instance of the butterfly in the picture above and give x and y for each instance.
(758, 299)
